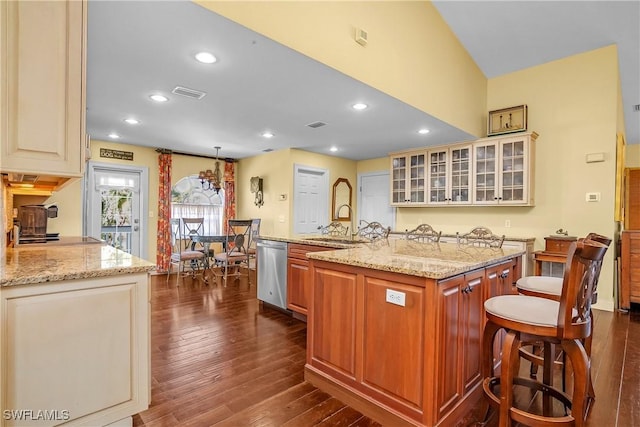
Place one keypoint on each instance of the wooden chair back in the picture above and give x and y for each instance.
(581, 274)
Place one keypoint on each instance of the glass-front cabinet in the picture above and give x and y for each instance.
(408, 181)
(497, 170)
(502, 171)
(449, 175)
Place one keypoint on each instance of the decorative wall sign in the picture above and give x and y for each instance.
(507, 120)
(116, 154)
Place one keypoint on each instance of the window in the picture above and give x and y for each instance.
(189, 200)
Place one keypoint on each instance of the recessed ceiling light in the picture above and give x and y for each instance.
(159, 98)
(268, 135)
(333, 149)
(113, 135)
(359, 106)
(206, 57)
(132, 121)
(423, 131)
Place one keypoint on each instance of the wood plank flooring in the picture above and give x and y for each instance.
(220, 359)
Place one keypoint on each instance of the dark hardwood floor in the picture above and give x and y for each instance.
(219, 359)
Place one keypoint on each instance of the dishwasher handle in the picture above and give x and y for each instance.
(272, 245)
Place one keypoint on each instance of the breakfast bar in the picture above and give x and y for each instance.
(74, 335)
(394, 326)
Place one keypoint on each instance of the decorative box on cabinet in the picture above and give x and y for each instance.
(408, 184)
(503, 170)
(42, 94)
(449, 175)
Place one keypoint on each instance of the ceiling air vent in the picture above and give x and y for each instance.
(316, 124)
(189, 93)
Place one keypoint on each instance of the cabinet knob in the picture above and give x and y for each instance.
(504, 275)
(467, 289)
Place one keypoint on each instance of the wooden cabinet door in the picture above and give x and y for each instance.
(449, 381)
(335, 326)
(498, 281)
(632, 199)
(397, 327)
(298, 286)
(472, 322)
(43, 90)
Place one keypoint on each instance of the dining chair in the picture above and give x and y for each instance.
(373, 231)
(565, 323)
(255, 232)
(423, 233)
(335, 229)
(182, 253)
(480, 237)
(236, 253)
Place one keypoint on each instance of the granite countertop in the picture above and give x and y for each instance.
(317, 240)
(430, 260)
(32, 264)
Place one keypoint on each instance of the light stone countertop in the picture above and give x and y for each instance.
(27, 264)
(430, 260)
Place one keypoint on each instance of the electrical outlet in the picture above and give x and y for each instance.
(395, 297)
(507, 223)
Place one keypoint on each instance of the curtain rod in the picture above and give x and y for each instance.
(166, 151)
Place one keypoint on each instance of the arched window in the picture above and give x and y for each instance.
(189, 200)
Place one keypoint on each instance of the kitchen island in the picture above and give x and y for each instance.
(74, 335)
(394, 327)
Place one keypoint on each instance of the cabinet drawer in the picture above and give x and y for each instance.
(299, 251)
(557, 245)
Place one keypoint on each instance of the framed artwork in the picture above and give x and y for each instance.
(507, 120)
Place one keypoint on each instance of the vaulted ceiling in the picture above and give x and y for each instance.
(139, 48)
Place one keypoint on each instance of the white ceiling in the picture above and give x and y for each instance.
(139, 48)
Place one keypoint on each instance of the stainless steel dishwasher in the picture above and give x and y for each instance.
(272, 272)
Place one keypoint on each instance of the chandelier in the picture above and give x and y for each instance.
(211, 180)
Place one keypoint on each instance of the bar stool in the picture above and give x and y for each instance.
(551, 288)
(565, 323)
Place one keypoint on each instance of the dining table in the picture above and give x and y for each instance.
(206, 241)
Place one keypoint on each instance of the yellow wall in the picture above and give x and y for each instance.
(276, 169)
(572, 105)
(411, 54)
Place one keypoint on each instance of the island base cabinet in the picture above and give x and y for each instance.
(75, 352)
(402, 349)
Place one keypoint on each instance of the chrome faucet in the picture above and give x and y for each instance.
(353, 232)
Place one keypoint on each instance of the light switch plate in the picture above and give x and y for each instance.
(592, 197)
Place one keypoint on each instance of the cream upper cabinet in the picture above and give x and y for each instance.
(490, 171)
(408, 179)
(449, 175)
(503, 170)
(42, 94)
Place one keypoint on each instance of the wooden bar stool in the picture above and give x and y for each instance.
(551, 288)
(565, 323)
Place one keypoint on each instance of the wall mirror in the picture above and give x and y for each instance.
(341, 196)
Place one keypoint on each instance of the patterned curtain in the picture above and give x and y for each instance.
(164, 212)
(229, 193)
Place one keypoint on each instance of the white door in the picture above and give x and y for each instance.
(115, 199)
(374, 202)
(310, 199)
